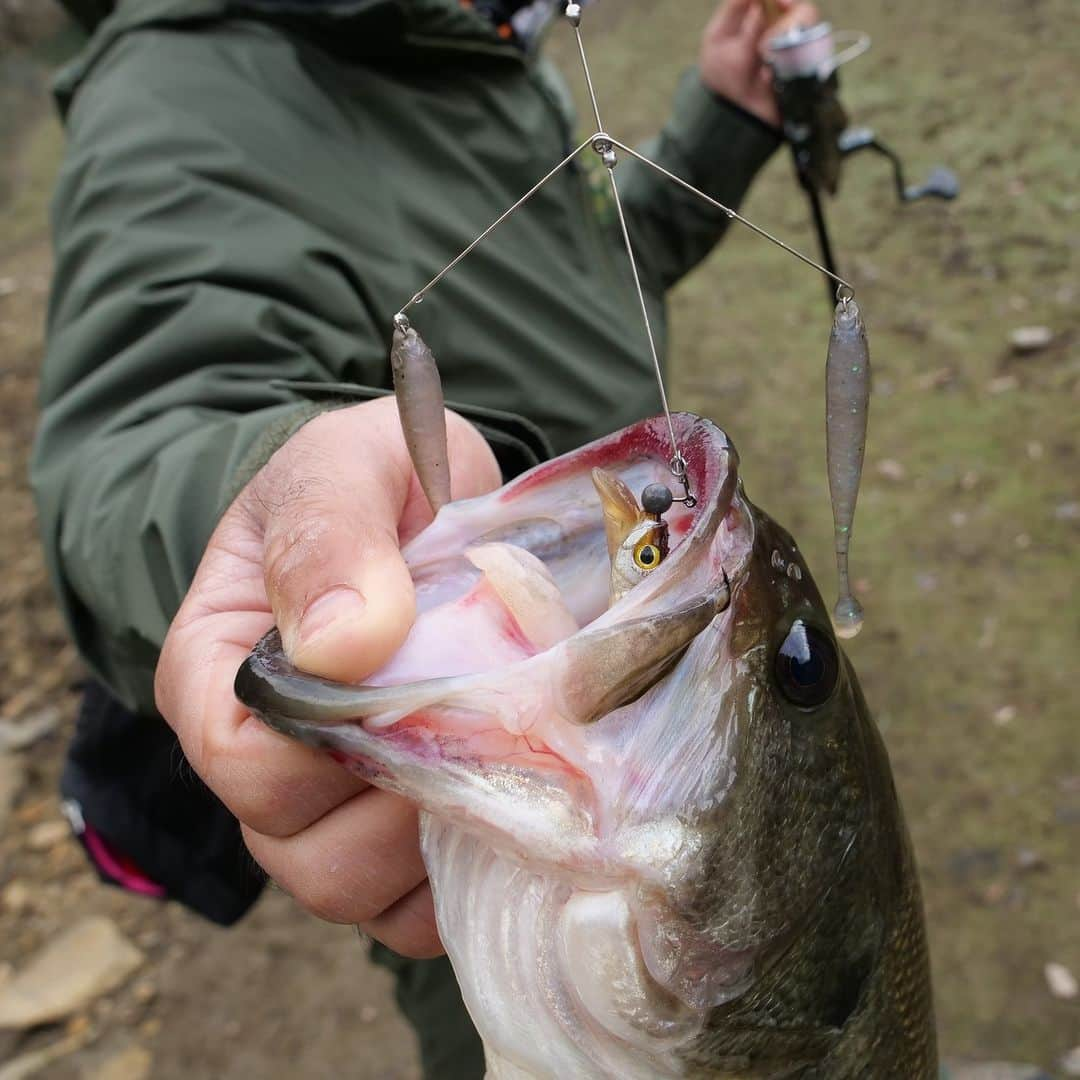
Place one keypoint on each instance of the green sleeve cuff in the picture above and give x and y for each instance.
(723, 146)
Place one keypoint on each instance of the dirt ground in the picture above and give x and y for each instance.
(965, 553)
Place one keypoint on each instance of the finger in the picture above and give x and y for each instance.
(351, 865)
(799, 13)
(339, 589)
(728, 18)
(270, 783)
(408, 927)
(754, 24)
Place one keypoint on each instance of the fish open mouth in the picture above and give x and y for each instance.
(517, 652)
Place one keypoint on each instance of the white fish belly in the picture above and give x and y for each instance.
(551, 974)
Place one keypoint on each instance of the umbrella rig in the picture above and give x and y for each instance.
(804, 63)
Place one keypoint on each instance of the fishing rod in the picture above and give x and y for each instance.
(805, 62)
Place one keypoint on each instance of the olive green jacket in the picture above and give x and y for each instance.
(245, 203)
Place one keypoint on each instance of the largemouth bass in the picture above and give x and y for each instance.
(659, 822)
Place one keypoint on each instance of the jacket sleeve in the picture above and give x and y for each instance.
(186, 283)
(712, 144)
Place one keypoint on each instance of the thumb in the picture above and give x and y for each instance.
(338, 586)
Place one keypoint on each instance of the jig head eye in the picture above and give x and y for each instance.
(647, 556)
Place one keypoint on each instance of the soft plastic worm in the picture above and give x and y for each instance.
(418, 389)
(847, 400)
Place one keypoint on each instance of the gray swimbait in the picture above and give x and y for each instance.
(418, 389)
(847, 411)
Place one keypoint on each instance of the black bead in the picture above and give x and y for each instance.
(657, 499)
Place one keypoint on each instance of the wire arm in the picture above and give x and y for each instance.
(419, 296)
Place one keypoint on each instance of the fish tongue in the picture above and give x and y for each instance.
(526, 587)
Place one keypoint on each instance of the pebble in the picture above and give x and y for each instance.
(16, 897)
(47, 835)
(69, 972)
(1070, 1062)
(1005, 715)
(891, 469)
(1028, 860)
(369, 1014)
(926, 582)
(8, 285)
(1030, 339)
(1061, 981)
(18, 735)
(1067, 511)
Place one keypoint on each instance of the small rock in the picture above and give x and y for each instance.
(970, 480)
(134, 1063)
(1061, 981)
(1005, 715)
(926, 582)
(144, 991)
(85, 961)
(1029, 860)
(369, 1014)
(8, 285)
(959, 518)
(1070, 1062)
(1067, 511)
(16, 897)
(891, 469)
(11, 783)
(18, 735)
(1030, 339)
(47, 835)
(1022, 541)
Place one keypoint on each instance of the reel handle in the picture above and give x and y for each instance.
(942, 183)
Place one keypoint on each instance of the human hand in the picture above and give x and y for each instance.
(312, 543)
(732, 52)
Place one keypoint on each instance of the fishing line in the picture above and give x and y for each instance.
(606, 147)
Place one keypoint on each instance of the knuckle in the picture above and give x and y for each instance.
(338, 901)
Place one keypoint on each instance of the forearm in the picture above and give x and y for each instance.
(713, 145)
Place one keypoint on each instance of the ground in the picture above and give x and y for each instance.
(964, 552)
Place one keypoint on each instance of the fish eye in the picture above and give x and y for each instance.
(807, 666)
(647, 556)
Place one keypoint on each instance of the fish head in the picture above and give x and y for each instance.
(690, 757)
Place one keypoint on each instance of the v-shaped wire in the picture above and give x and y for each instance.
(605, 145)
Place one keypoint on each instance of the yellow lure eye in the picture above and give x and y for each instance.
(647, 557)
